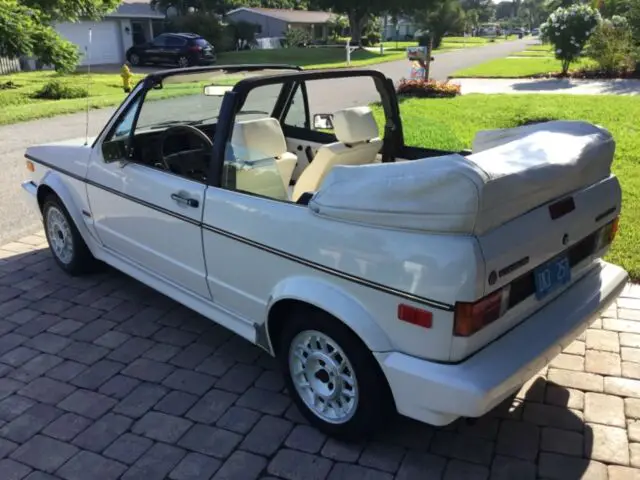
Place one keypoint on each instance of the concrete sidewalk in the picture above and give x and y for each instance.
(548, 86)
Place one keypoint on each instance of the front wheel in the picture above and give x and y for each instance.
(135, 59)
(332, 376)
(65, 242)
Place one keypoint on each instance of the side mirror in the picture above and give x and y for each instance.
(323, 121)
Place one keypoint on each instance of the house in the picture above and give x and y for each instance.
(133, 22)
(274, 22)
(400, 28)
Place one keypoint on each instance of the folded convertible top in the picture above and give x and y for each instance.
(510, 172)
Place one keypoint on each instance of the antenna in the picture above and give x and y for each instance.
(87, 49)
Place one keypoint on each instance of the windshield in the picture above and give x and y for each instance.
(196, 98)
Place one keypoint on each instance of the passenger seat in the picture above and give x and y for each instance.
(358, 144)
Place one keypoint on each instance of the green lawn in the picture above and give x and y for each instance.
(18, 104)
(320, 57)
(535, 60)
(522, 67)
(452, 123)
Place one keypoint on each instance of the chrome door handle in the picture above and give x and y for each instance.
(182, 200)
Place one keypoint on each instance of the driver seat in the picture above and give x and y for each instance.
(262, 139)
(358, 144)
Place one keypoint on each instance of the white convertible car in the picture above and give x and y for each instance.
(381, 276)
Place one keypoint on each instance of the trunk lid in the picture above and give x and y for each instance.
(532, 259)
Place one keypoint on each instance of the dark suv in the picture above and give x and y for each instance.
(183, 49)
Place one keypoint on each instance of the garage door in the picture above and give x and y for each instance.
(106, 40)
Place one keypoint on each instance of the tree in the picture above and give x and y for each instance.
(568, 30)
(25, 28)
(359, 12)
(442, 17)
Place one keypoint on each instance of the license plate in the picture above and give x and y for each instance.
(552, 275)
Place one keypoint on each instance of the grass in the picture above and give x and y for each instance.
(452, 123)
(535, 60)
(320, 57)
(19, 104)
(525, 66)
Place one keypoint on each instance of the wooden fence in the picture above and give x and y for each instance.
(9, 65)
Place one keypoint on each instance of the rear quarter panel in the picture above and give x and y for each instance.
(244, 276)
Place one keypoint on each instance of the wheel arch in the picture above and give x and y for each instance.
(52, 184)
(308, 292)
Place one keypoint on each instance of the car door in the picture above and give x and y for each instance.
(175, 47)
(155, 51)
(144, 215)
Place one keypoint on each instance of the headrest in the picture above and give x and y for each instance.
(258, 139)
(353, 125)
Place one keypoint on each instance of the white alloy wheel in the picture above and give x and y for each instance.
(60, 235)
(183, 62)
(323, 377)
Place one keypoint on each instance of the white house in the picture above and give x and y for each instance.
(131, 23)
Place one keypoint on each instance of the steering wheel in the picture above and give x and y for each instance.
(188, 160)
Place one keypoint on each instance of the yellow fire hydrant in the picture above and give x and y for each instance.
(126, 75)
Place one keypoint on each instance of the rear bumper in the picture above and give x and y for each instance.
(439, 393)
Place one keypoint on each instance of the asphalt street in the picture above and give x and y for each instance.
(16, 215)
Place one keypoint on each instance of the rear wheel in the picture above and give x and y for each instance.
(65, 242)
(183, 62)
(332, 376)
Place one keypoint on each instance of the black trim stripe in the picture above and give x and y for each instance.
(605, 214)
(261, 246)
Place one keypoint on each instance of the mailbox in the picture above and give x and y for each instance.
(418, 53)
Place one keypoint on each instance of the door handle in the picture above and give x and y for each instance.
(182, 200)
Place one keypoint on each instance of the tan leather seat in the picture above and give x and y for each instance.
(254, 143)
(358, 144)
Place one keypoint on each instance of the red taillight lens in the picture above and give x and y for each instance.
(195, 48)
(614, 229)
(472, 317)
(415, 316)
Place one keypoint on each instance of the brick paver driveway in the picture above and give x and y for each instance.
(102, 378)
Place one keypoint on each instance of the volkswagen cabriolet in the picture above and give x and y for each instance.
(383, 277)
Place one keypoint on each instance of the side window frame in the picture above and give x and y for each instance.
(128, 142)
(302, 88)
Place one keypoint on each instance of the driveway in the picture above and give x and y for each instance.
(17, 219)
(102, 378)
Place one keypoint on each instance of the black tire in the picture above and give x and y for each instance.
(78, 260)
(135, 59)
(374, 406)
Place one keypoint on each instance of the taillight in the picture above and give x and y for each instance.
(195, 48)
(415, 316)
(469, 318)
(607, 234)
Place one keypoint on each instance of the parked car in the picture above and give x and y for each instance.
(181, 49)
(535, 32)
(381, 276)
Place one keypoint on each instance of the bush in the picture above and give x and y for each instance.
(58, 90)
(296, 37)
(568, 30)
(612, 46)
(427, 89)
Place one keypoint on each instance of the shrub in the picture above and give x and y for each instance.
(56, 90)
(427, 88)
(612, 46)
(568, 30)
(296, 37)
